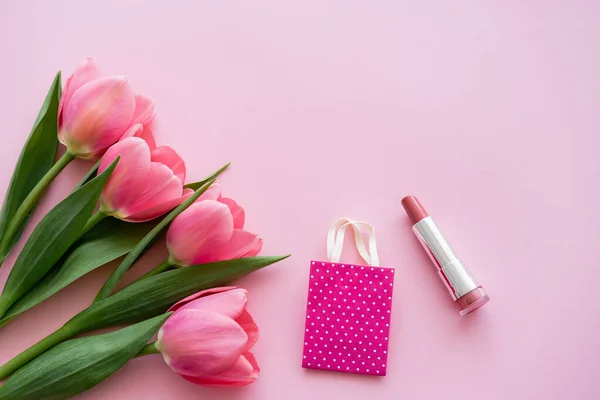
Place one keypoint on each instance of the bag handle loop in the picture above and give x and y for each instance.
(335, 240)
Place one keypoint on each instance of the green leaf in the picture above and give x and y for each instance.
(154, 295)
(53, 236)
(131, 258)
(77, 365)
(141, 300)
(35, 160)
(199, 184)
(108, 241)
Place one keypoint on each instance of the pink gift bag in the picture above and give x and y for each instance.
(349, 307)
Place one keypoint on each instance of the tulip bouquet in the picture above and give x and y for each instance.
(135, 193)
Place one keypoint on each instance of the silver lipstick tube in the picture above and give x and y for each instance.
(453, 273)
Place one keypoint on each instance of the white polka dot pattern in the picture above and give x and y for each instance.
(348, 318)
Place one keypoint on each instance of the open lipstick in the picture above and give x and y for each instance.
(465, 291)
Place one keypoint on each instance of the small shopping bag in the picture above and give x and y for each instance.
(349, 306)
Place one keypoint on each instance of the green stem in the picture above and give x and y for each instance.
(150, 348)
(43, 345)
(93, 221)
(165, 265)
(32, 198)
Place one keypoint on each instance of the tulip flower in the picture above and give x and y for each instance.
(147, 182)
(95, 111)
(211, 230)
(208, 338)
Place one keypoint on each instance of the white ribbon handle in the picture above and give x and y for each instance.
(335, 240)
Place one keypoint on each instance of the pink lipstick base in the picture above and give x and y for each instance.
(472, 300)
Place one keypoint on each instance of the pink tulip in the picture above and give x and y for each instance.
(148, 180)
(208, 338)
(95, 111)
(211, 230)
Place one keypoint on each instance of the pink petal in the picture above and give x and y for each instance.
(133, 131)
(255, 248)
(167, 156)
(198, 231)
(148, 136)
(237, 211)
(200, 342)
(97, 115)
(145, 133)
(150, 213)
(199, 295)
(212, 193)
(252, 360)
(161, 185)
(244, 372)
(161, 190)
(144, 110)
(128, 180)
(241, 244)
(230, 303)
(156, 211)
(86, 72)
(249, 326)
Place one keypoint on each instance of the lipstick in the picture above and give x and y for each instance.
(463, 288)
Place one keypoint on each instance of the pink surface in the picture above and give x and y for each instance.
(348, 315)
(488, 111)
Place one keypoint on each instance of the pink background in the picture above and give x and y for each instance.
(487, 110)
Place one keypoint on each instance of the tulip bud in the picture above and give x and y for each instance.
(145, 184)
(208, 338)
(211, 230)
(95, 111)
